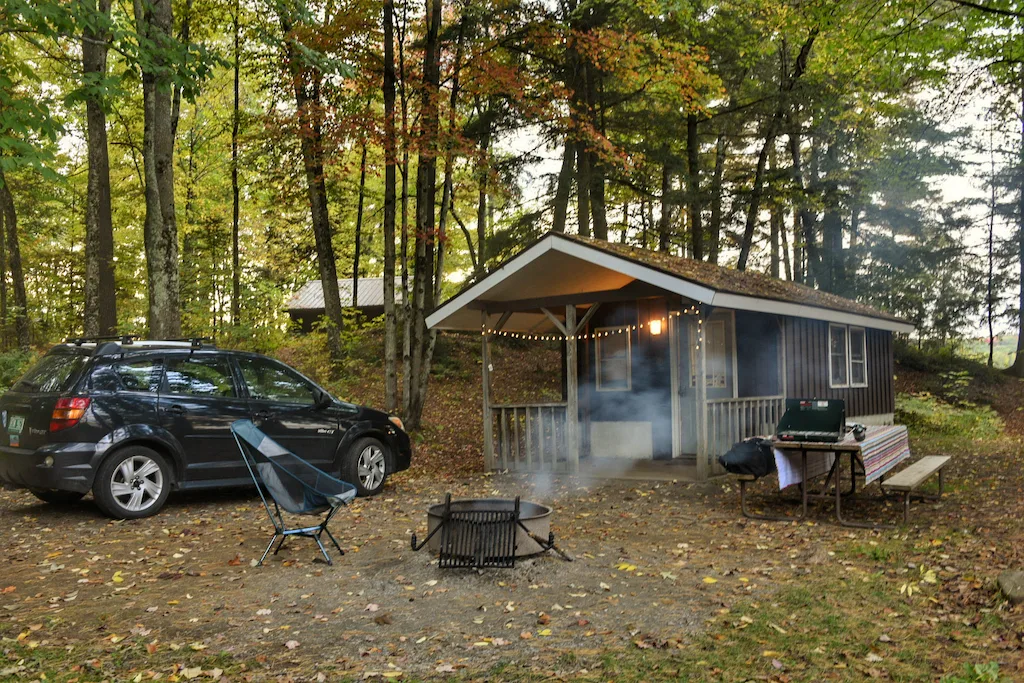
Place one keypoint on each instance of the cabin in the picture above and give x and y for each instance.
(306, 306)
(664, 358)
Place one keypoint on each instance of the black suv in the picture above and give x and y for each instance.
(132, 420)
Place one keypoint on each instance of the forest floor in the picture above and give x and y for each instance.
(669, 582)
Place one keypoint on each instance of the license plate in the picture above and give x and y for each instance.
(16, 424)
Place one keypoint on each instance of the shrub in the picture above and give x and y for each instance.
(924, 412)
(13, 365)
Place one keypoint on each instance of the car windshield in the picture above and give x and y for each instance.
(55, 372)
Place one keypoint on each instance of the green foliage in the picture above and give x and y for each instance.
(13, 365)
(924, 413)
(978, 673)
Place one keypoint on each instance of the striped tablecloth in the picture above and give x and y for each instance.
(882, 449)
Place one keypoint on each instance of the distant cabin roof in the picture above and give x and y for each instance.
(310, 296)
(567, 268)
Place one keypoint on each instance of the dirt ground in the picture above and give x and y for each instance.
(656, 567)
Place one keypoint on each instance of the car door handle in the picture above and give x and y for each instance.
(262, 414)
(177, 409)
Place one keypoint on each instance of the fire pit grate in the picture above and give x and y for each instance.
(483, 533)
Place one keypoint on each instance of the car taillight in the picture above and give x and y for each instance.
(67, 413)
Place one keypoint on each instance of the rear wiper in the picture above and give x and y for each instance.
(28, 385)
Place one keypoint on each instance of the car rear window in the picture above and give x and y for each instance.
(138, 375)
(54, 373)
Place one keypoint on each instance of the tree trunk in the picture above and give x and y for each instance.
(807, 253)
(390, 159)
(754, 207)
(306, 84)
(481, 204)
(665, 221)
(989, 288)
(693, 184)
(1017, 369)
(359, 227)
(776, 219)
(21, 325)
(4, 327)
(236, 286)
(100, 292)
(564, 187)
(426, 179)
(583, 189)
(448, 189)
(721, 150)
(833, 271)
(155, 21)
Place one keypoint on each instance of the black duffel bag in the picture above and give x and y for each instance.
(753, 456)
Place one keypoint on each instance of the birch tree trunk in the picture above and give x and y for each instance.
(236, 295)
(155, 22)
(693, 185)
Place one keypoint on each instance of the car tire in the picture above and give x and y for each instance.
(57, 497)
(367, 465)
(132, 482)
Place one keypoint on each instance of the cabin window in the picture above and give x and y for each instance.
(847, 350)
(858, 357)
(715, 356)
(613, 364)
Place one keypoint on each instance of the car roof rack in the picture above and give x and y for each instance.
(125, 339)
(195, 342)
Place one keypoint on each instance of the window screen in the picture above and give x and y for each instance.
(613, 368)
(858, 357)
(838, 360)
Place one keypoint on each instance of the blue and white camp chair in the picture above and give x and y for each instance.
(293, 484)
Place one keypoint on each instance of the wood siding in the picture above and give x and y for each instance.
(807, 360)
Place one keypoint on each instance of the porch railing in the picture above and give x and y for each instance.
(733, 419)
(530, 437)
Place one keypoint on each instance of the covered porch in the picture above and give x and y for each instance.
(652, 372)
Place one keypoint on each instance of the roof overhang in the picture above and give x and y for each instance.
(557, 269)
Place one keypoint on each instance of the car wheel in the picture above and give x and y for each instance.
(133, 482)
(367, 466)
(56, 497)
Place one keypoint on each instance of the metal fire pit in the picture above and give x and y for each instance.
(487, 532)
(534, 516)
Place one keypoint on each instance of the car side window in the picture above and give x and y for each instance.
(271, 382)
(200, 376)
(140, 375)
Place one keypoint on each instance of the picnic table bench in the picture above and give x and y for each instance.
(907, 481)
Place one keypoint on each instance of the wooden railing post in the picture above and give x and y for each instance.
(702, 403)
(485, 357)
(572, 396)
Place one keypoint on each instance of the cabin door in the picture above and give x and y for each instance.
(720, 352)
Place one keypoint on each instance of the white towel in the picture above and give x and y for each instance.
(790, 469)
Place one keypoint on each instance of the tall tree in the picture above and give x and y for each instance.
(100, 295)
(306, 80)
(155, 22)
(390, 161)
(236, 282)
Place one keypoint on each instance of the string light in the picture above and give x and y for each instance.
(489, 332)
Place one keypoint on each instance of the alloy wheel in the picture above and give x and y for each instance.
(136, 483)
(371, 467)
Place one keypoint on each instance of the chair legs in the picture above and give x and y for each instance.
(314, 532)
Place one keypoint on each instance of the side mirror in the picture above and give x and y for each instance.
(323, 399)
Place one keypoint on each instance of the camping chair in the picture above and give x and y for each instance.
(293, 484)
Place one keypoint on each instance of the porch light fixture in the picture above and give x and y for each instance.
(654, 326)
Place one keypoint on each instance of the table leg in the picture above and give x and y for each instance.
(803, 482)
(852, 523)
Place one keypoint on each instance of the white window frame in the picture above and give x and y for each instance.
(849, 355)
(624, 331)
(848, 348)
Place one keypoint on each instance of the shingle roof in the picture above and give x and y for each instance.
(730, 280)
(310, 296)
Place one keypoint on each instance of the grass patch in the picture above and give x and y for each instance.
(926, 414)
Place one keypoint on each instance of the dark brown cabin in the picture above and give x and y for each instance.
(666, 358)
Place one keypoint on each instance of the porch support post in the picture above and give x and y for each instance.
(485, 358)
(673, 355)
(572, 413)
(703, 437)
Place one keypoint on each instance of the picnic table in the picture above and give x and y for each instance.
(798, 462)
